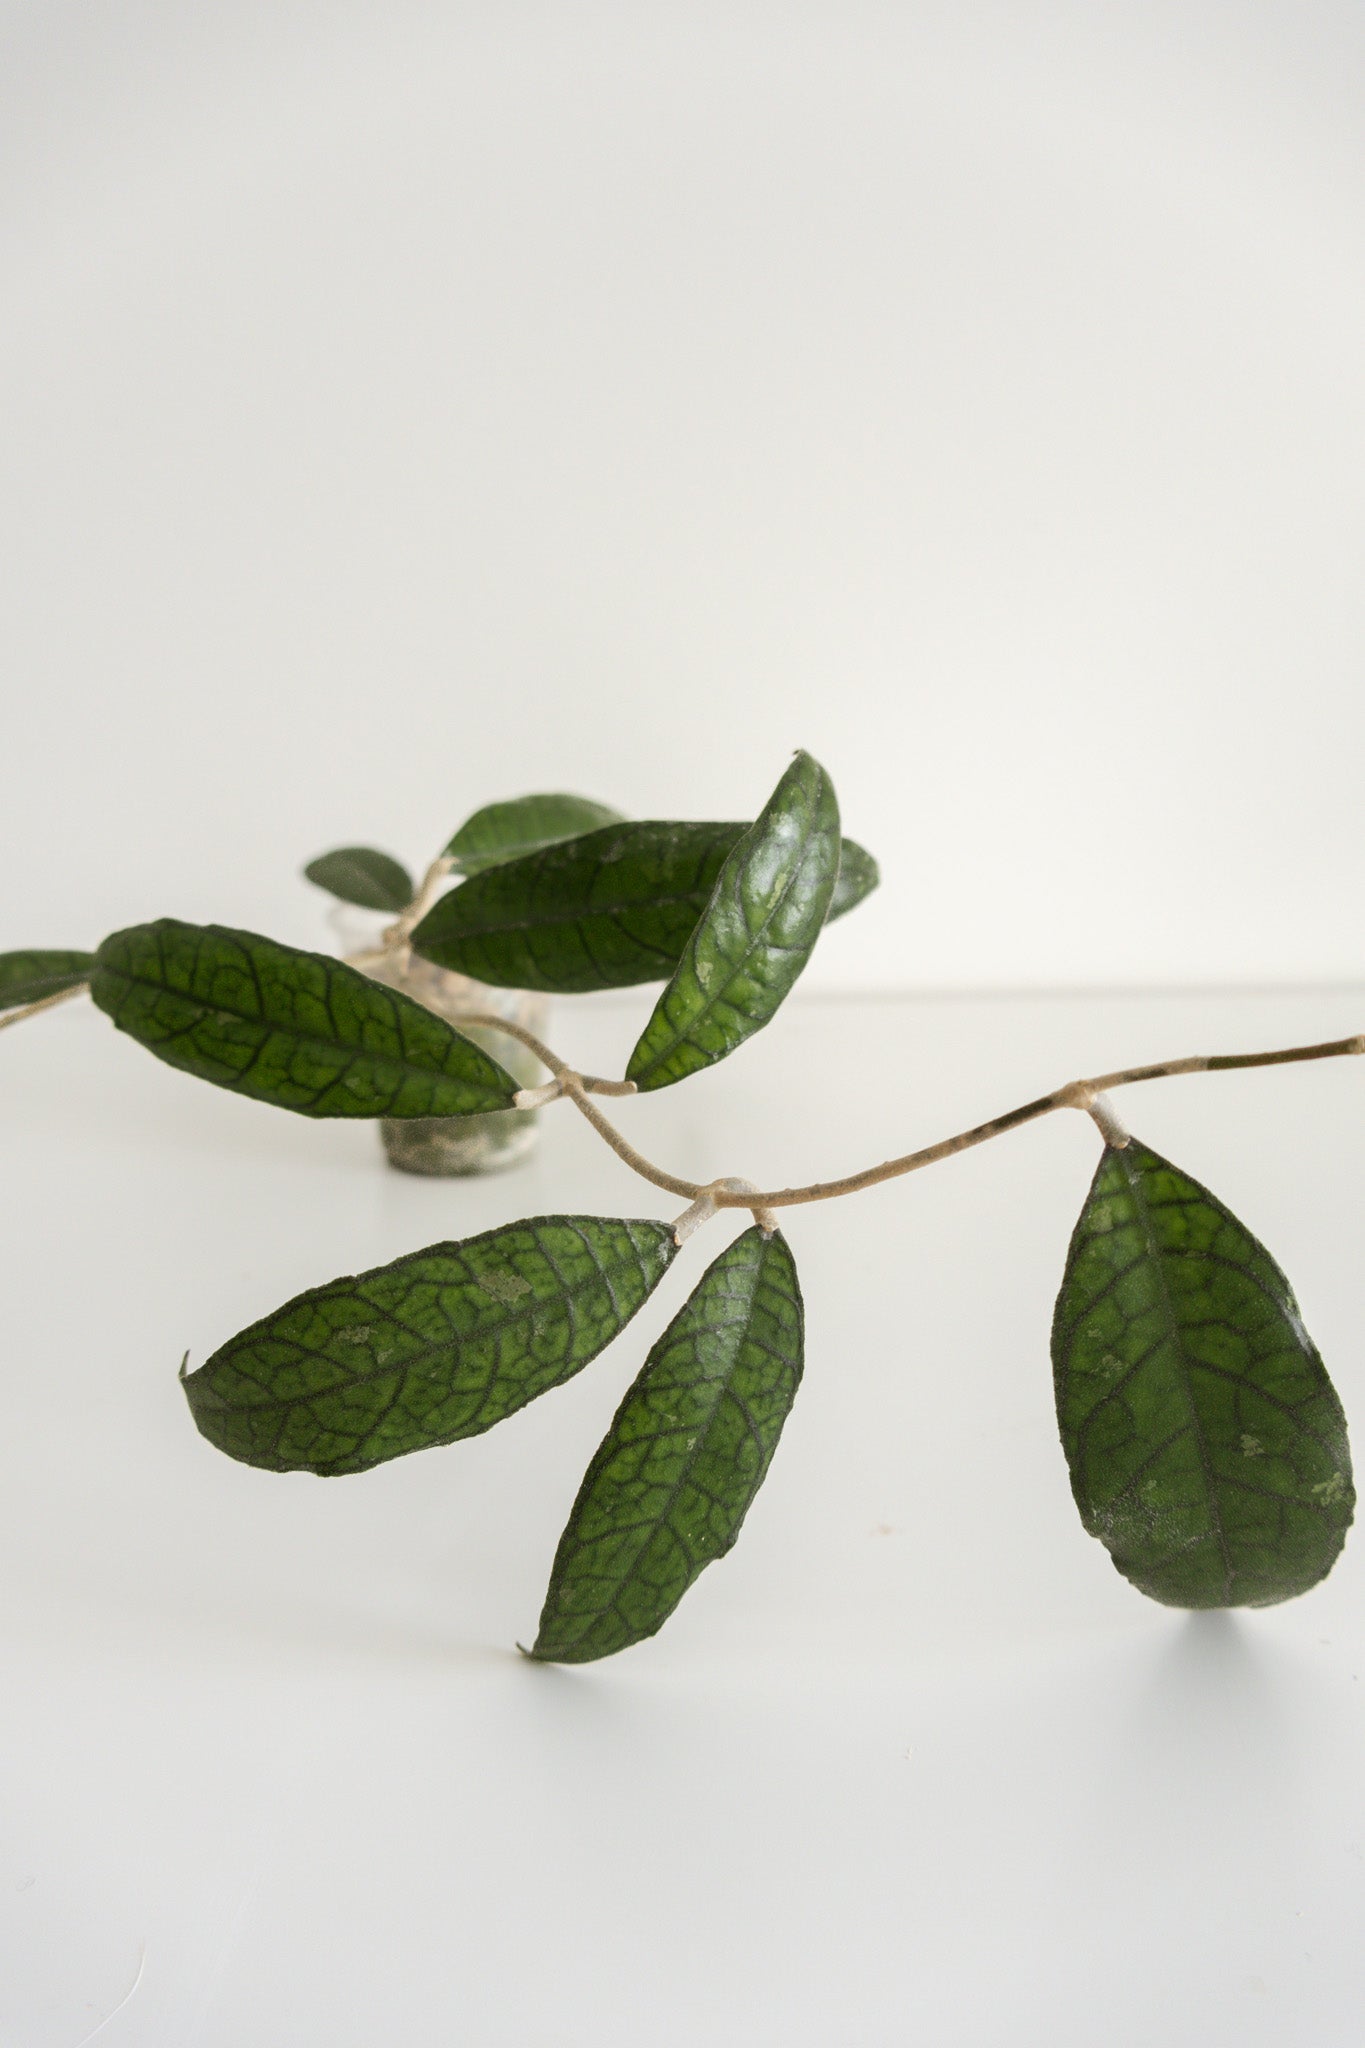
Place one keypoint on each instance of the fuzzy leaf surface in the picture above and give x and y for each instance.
(437, 1346)
(754, 937)
(525, 824)
(29, 976)
(608, 910)
(295, 1029)
(689, 1448)
(363, 875)
(1206, 1444)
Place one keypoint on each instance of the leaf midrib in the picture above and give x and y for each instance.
(755, 939)
(550, 919)
(691, 1458)
(1155, 1252)
(429, 1348)
(744, 1329)
(266, 1027)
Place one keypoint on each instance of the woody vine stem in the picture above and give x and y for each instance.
(1206, 1445)
(731, 1193)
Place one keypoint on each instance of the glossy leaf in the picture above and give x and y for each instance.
(1206, 1444)
(362, 875)
(439, 1345)
(507, 831)
(690, 1446)
(755, 936)
(608, 910)
(32, 975)
(295, 1029)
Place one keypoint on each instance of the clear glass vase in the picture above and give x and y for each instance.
(494, 1139)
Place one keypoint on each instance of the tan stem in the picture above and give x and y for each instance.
(548, 1059)
(1083, 1095)
(573, 1088)
(398, 933)
(1075, 1095)
(63, 995)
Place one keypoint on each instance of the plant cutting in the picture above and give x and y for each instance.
(1206, 1446)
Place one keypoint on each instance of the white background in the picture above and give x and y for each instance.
(413, 405)
(913, 1765)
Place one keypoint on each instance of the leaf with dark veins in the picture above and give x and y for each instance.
(299, 1030)
(1206, 1444)
(439, 1345)
(606, 910)
(755, 935)
(688, 1450)
(609, 909)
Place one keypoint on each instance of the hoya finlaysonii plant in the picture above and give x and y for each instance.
(1206, 1446)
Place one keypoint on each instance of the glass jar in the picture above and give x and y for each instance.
(492, 1139)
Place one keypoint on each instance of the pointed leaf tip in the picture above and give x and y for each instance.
(765, 913)
(525, 824)
(671, 1484)
(608, 909)
(437, 1346)
(1206, 1444)
(298, 1030)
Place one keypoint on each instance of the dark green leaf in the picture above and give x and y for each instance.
(689, 1448)
(858, 876)
(502, 832)
(295, 1029)
(755, 936)
(1206, 1444)
(360, 874)
(439, 1345)
(603, 911)
(29, 976)
(607, 910)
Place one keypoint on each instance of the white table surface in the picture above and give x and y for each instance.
(913, 1765)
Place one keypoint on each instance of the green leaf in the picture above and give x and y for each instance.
(858, 876)
(689, 1448)
(607, 910)
(360, 874)
(299, 1030)
(506, 831)
(756, 934)
(1206, 1444)
(439, 1345)
(29, 976)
